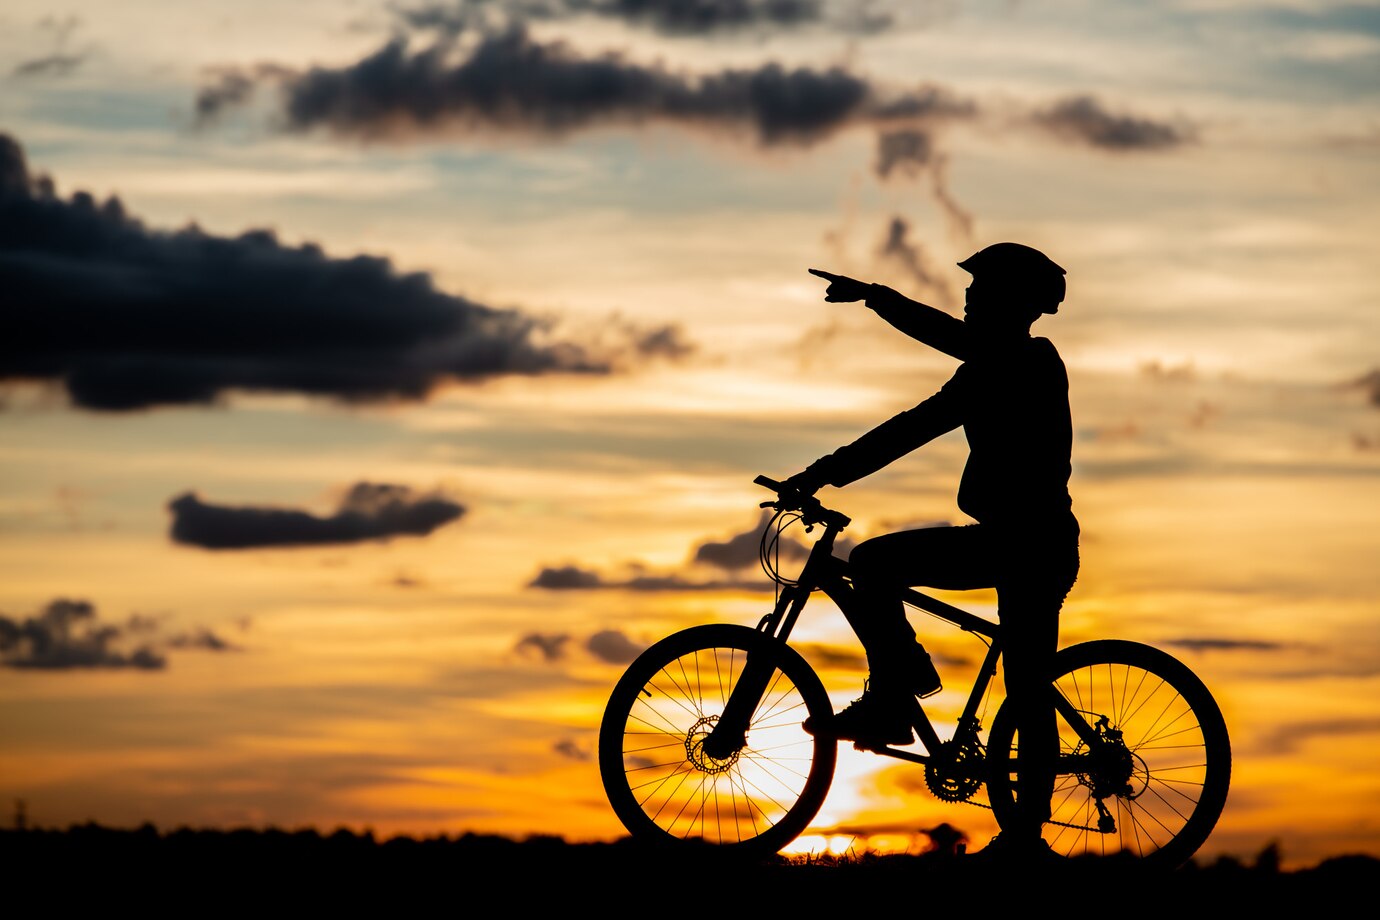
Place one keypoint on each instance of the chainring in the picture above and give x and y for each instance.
(951, 772)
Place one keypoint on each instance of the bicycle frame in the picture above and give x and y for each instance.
(1144, 764)
(826, 572)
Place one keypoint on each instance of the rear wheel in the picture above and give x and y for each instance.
(667, 788)
(1154, 781)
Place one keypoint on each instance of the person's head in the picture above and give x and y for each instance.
(1012, 286)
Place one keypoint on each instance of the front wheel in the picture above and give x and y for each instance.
(1146, 770)
(668, 786)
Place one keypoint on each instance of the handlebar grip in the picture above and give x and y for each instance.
(769, 483)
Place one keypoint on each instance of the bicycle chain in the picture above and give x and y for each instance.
(1076, 827)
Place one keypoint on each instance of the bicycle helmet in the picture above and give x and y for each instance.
(1022, 267)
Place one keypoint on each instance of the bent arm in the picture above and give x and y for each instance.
(921, 322)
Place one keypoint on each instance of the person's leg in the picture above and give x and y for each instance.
(1038, 570)
(1030, 637)
(956, 558)
(944, 557)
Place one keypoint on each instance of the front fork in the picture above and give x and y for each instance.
(729, 734)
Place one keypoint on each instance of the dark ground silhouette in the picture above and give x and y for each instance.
(193, 870)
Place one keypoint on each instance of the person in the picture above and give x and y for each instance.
(1010, 397)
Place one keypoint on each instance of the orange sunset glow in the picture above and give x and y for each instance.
(377, 373)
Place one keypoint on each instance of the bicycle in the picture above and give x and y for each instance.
(701, 741)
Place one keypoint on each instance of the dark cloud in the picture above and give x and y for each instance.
(369, 511)
(566, 578)
(738, 552)
(910, 258)
(661, 342)
(908, 151)
(671, 17)
(572, 749)
(612, 646)
(1083, 119)
(675, 582)
(59, 62)
(226, 89)
(1214, 644)
(607, 645)
(510, 81)
(51, 65)
(551, 646)
(66, 636)
(202, 638)
(128, 318)
(741, 550)
(699, 17)
(1371, 384)
(575, 578)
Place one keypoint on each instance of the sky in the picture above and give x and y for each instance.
(376, 373)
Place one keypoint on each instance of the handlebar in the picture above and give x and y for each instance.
(811, 511)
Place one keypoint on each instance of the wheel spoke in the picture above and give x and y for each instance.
(662, 782)
(1162, 764)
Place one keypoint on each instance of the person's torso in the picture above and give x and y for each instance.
(1020, 435)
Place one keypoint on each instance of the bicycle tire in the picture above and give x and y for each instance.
(1179, 765)
(665, 789)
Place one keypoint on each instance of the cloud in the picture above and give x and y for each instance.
(1212, 644)
(59, 62)
(607, 645)
(908, 151)
(566, 578)
(369, 511)
(127, 318)
(700, 17)
(68, 635)
(575, 578)
(669, 17)
(551, 646)
(708, 557)
(1083, 119)
(230, 87)
(509, 81)
(741, 550)
(910, 258)
(568, 747)
(1371, 384)
(55, 65)
(202, 638)
(612, 646)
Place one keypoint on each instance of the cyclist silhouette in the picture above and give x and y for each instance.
(1010, 396)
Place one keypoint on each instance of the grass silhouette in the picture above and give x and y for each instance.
(198, 870)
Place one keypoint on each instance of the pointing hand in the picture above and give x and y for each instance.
(842, 289)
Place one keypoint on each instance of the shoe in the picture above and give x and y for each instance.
(872, 720)
(924, 679)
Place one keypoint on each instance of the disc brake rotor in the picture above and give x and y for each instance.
(694, 748)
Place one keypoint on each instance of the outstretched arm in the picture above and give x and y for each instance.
(892, 439)
(921, 322)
